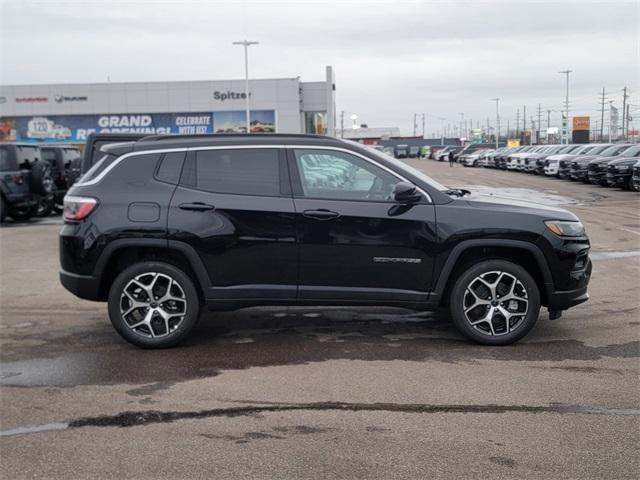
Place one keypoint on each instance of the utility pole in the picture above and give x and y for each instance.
(603, 94)
(548, 125)
(533, 129)
(627, 117)
(246, 44)
(610, 105)
(624, 114)
(565, 123)
(423, 130)
(508, 129)
(524, 121)
(518, 123)
(497, 100)
(441, 130)
(539, 123)
(341, 123)
(415, 125)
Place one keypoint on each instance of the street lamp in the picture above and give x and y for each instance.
(246, 44)
(497, 121)
(565, 126)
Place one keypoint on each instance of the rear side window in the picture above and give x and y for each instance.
(98, 168)
(27, 155)
(242, 171)
(170, 167)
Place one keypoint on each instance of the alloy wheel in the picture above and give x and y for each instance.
(495, 303)
(153, 305)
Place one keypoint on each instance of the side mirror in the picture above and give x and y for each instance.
(405, 192)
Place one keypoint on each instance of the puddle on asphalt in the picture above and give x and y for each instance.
(613, 255)
(255, 339)
(523, 195)
(140, 418)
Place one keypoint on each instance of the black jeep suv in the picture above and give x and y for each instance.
(25, 181)
(162, 226)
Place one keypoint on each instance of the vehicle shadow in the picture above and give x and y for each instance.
(265, 337)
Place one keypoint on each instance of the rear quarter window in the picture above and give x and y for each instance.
(170, 167)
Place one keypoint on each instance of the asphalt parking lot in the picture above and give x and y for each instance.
(328, 393)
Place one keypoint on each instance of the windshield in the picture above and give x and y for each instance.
(403, 167)
(615, 150)
(631, 152)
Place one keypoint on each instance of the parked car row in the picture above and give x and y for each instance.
(606, 164)
(34, 179)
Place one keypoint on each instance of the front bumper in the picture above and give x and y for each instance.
(579, 174)
(618, 179)
(564, 299)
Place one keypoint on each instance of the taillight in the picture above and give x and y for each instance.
(78, 208)
(18, 179)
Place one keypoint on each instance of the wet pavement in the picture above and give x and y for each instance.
(317, 392)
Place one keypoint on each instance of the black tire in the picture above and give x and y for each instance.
(140, 337)
(73, 172)
(40, 179)
(3, 209)
(22, 214)
(460, 295)
(44, 207)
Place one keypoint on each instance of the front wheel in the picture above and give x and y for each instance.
(153, 305)
(495, 302)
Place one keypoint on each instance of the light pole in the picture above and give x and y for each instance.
(246, 44)
(565, 125)
(497, 121)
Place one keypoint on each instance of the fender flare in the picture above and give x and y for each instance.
(194, 260)
(460, 248)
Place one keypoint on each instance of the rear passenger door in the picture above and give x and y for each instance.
(234, 207)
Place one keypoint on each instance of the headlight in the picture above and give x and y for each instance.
(623, 168)
(565, 229)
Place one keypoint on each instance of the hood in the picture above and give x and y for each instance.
(624, 160)
(601, 160)
(583, 158)
(561, 156)
(505, 203)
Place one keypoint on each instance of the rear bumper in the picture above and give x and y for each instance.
(21, 200)
(83, 286)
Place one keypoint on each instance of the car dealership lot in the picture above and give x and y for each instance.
(342, 393)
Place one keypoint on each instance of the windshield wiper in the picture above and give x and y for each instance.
(458, 192)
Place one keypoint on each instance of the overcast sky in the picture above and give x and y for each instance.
(392, 59)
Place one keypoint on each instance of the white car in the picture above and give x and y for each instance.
(473, 159)
(552, 167)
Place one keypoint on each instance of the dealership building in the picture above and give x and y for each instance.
(68, 113)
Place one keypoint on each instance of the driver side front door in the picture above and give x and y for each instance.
(355, 243)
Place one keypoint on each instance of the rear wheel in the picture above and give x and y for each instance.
(21, 214)
(495, 302)
(44, 207)
(3, 209)
(153, 305)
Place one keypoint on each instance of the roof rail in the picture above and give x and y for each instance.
(152, 138)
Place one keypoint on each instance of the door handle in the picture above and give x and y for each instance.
(321, 214)
(196, 206)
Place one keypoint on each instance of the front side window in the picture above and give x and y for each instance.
(341, 176)
(238, 171)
